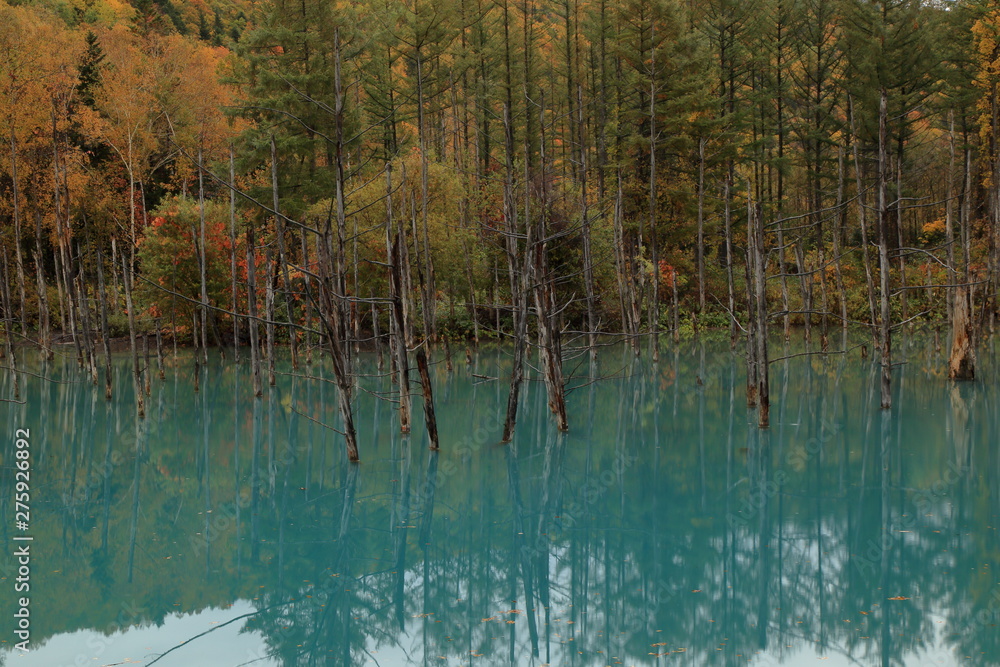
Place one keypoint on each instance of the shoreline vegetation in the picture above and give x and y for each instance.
(415, 175)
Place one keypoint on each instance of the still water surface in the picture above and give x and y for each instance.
(663, 528)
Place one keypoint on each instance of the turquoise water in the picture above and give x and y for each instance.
(662, 528)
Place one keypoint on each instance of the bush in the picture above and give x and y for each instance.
(168, 258)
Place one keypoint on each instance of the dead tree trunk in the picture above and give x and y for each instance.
(588, 256)
(146, 371)
(885, 329)
(962, 362)
(279, 229)
(399, 335)
(701, 225)
(729, 259)
(18, 259)
(105, 335)
(753, 383)
(838, 238)
(44, 326)
(520, 279)
(252, 320)
(202, 258)
(159, 349)
(545, 300)
(8, 312)
(622, 268)
(232, 254)
(84, 309)
(425, 382)
(758, 256)
(140, 402)
(338, 352)
(862, 222)
(397, 316)
(270, 275)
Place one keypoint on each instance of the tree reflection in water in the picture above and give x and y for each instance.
(663, 523)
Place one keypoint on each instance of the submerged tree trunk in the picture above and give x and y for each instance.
(202, 258)
(270, 275)
(252, 320)
(105, 335)
(545, 300)
(758, 256)
(398, 323)
(885, 329)
(729, 259)
(45, 328)
(279, 227)
(10, 350)
(701, 226)
(520, 270)
(232, 254)
(18, 259)
(862, 223)
(588, 255)
(962, 362)
(425, 382)
(140, 402)
(397, 315)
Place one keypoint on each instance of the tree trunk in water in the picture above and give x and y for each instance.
(338, 353)
(654, 309)
(729, 259)
(545, 297)
(306, 314)
(520, 281)
(202, 258)
(750, 266)
(425, 382)
(232, 254)
(252, 320)
(805, 286)
(885, 337)
(621, 266)
(701, 225)
(398, 322)
(904, 311)
(397, 316)
(271, 277)
(9, 326)
(862, 223)
(45, 333)
(140, 402)
(428, 268)
(146, 371)
(159, 349)
(279, 226)
(837, 238)
(588, 257)
(84, 309)
(18, 259)
(949, 227)
(962, 362)
(105, 335)
(376, 334)
(756, 239)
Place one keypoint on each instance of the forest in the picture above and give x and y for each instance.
(317, 177)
